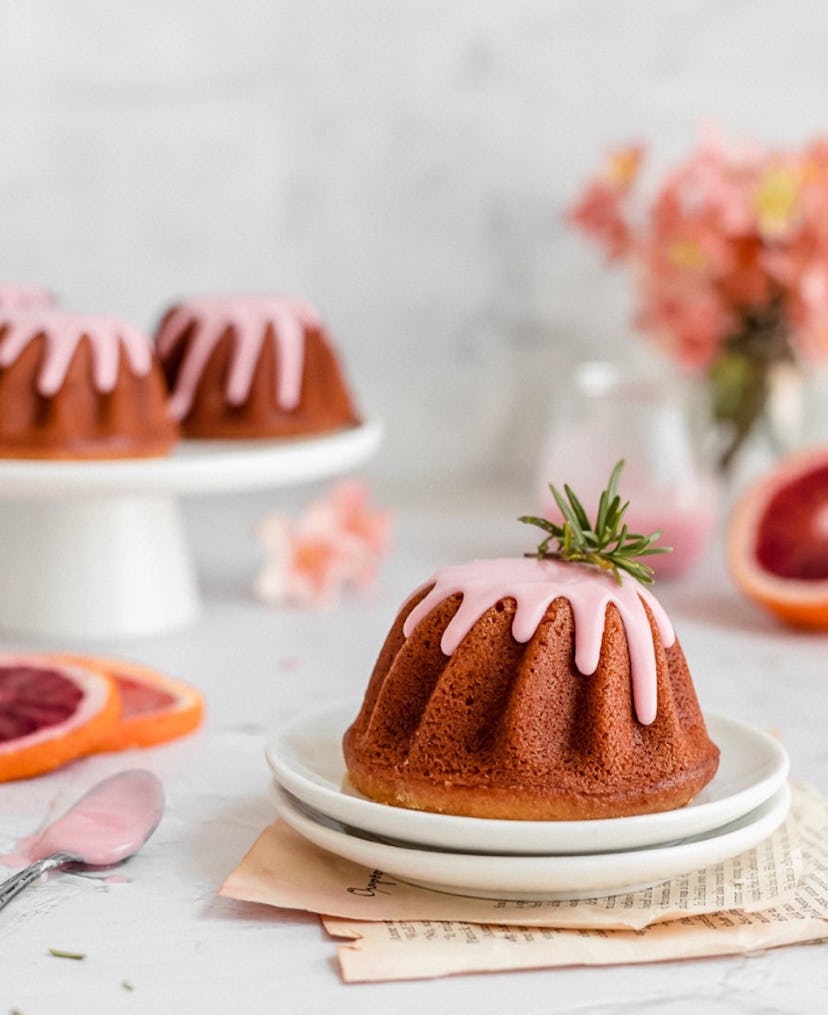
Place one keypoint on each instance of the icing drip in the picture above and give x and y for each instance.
(534, 585)
(63, 333)
(25, 297)
(249, 317)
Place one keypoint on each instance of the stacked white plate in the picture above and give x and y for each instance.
(744, 804)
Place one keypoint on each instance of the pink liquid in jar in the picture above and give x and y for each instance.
(687, 519)
(688, 532)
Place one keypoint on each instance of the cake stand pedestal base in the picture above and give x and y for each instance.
(95, 567)
(97, 549)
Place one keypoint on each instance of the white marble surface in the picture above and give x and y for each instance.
(184, 949)
(405, 164)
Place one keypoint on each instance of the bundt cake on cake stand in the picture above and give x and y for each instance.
(252, 366)
(90, 477)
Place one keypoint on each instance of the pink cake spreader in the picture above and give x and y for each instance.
(105, 827)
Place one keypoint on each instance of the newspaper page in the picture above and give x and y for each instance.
(283, 869)
(407, 949)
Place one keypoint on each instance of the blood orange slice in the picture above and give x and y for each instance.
(777, 540)
(154, 707)
(51, 711)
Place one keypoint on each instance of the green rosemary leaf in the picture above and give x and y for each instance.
(543, 548)
(615, 476)
(577, 507)
(542, 523)
(614, 516)
(608, 544)
(60, 954)
(565, 509)
(603, 508)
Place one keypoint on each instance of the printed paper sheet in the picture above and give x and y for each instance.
(776, 893)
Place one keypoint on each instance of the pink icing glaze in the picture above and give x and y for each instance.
(249, 317)
(22, 296)
(63, 332)
(534, 584)
(106, 825)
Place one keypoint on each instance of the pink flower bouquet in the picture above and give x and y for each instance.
(730, 260)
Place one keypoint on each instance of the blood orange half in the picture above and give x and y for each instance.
(154, 707)
(777, 540)
(51, 711)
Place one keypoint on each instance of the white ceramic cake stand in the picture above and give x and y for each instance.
(98, 549)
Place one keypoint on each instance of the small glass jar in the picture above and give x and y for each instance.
(604, 412)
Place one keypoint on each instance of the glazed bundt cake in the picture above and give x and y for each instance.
(531, 689)
(251, 367)
(79, 386)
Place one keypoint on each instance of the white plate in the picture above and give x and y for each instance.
(535, 877)
(306, 757)
(197, 467)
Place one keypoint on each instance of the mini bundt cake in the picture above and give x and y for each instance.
(251, 367)
(531, 689)
(79, 386)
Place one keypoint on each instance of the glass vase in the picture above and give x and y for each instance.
(603, 412)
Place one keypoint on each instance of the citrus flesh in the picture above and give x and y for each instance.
(777, 540)
(154, 707)
(792, 540)
(51, 712)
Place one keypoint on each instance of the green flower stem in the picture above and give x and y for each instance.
(739, 377)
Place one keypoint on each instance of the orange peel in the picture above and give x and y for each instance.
(155, 708)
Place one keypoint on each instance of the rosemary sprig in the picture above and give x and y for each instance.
(607, 544)
(60, 953)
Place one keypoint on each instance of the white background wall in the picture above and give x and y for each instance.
(404, 163)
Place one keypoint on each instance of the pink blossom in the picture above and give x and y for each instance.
(777, 199)
(809, 310)
(709, 186)
(351, 504)
(745, 282)
(688, 325)
(732, 231)
(814, 193)
(600, 211)
(336, 543)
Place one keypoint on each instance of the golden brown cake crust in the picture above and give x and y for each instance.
(508, 730)
(79, 422)
(324, 404)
